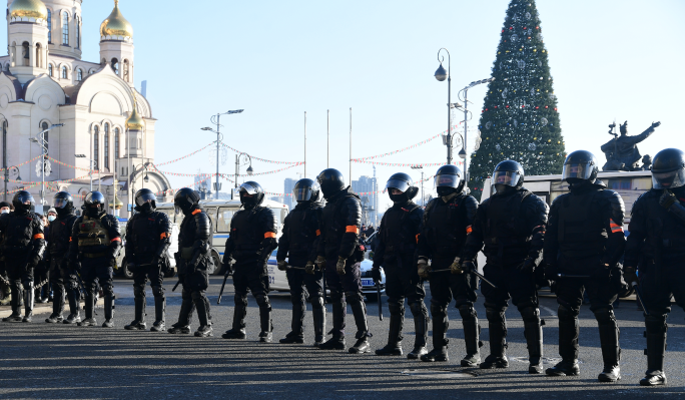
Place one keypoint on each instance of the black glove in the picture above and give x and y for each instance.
(528, 266)
(376, 274)
(228, 268)
(468, 266)
(667, 199)
(552, 272)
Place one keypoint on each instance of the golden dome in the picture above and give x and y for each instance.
(134, 121)
(29, 9)
(115, 25)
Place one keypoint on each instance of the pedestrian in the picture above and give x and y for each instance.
(656, 248)
(510, 228)
(252, 239)
(298, 243)
(584, 243)
(147, 242)
(23, 245)
(339, 252)
(396, 252)
(192, 260)
(96, 241)
(447, 221)
(63, 279)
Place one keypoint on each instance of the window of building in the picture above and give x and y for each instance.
(77, 21)
(49, 26)
(126, 71)
(4, 143)
(107, 146)
(26, 54)
(38, 55)
(65, 29)
(115, 66)
(65, 74)
(116, 143)
(79, 74)
(96, 147)
(50, 70)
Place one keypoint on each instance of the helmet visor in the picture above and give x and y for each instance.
(145, 198)
(506, 178)
(577, 170)
(451, 181)
(303, 193)
(60, 202)
(249, 189)
(398, 184)
(668, 180)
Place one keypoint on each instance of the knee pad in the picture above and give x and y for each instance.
(437, 309)
(656, 323)
(108, 289)
(467, 312)
(417, 308)
(354, 297)
(158, 291)
(185, 295)
(27, 284)
(494, 314)
(138, 291)
(317, 302)
(196, 296)
(262, 300)
(240, 300)
(604, 315)
(566, 313)
(336, 296)
(530, 314)
(395, 308)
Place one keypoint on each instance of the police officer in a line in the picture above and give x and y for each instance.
(584, 243)
(63, 279)
(511, 227)
(298, 243)
(192, 260)
(656, 248)
(96, 241)
(447, 222)
(399, 233)
(339, 253)
(252, 239)
(147, 242)
(23, 245)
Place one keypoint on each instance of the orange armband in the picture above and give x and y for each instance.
(270, 235)
(38, 236)
(352, 229)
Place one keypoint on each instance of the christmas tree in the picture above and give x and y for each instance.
(520, 119)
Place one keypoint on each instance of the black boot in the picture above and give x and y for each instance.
(440, 326)
(568, 345)
(89, 304)
(532, 330)
(611, 351)
(29, 299)
(265, 336)
(205, 328)
(394, 346)
(57, 305)
(160, 307)
(337, 342)
(656, 348)
(138, 322)
(359, 311)
(74, 297)
(497, 324)
(16, 290)
(184, 316)
(319, 316)
(296, 335)
(420, 314)
(469, 319)
(109, 311)
(239, 313)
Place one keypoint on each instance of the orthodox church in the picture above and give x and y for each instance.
(108, 132)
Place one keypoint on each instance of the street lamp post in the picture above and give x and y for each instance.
(237, 166)
(464, 151)
(40, 140)
(420, 167)
(90, 172)
(216, 119)
(441, 75)
(7, 177)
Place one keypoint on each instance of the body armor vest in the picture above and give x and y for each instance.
(93, 236)
(581, 232)
(302, 230)
(18, 234)
(505, 227)
(446, 227)
(398, 233)
(60, 233)
(666, 233)
(146, 235)
(245, 231)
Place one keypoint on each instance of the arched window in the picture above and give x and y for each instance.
(26, 54)
(4, 142)
(7, 67)
(49, 26)
(77, 21)
(50, 70)
(115, 66)
(96, 147)
(38, 57)
(65, 29)
(126, 73)
(45, 126)
(79, 74)
(65, 74)
(107, 146)
(116, 143)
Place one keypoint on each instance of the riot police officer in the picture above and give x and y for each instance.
(96, 241)
(192, 260)
(252, 239)
(511, 225)
(398, 236)
(656, 247)
(147, 241)
(301, 231)
(23, 245)
(585, 240)
(62, 278)
(447, 221)
(339, 253)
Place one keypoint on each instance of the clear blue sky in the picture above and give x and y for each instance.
(619, 59)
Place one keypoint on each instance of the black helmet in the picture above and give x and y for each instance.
(331, 181)
(448, 180)
(668, 169)
(63, 203)
(23, 201)
(507, 175)
(581, 165)
(95, 204)
(251, 194)
(306, 190)
(185, 199)
(145, 200)
(402, 182)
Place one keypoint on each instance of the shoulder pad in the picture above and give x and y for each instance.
(618, 209)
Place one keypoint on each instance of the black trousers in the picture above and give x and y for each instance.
(512, 284)
(658, 286)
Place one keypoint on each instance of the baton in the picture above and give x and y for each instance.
(639, 298)
(483, 278)
(380, 301)
(176, 285)
(573, 276)
(223, 285)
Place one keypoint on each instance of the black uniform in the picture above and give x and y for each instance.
(147, 241)
(301, 231)
(23, 247)
(511, 228)
(63, 279)
(585, 237)
(656, 245)
(340, 241)
(96, 241)
(252, 239)
(399, 234)
(446, 225)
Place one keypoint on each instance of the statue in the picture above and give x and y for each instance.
(621, 151)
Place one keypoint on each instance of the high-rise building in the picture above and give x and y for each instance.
(288, 186)
(367, 188)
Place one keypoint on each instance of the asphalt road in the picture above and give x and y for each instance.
(39, 360)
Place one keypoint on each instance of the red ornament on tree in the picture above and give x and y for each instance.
(495, 107)
(524, 28)
(511, 27)
(507, 106)
(537, 108)
(537, 27)
(546, 107)
(555, 109)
